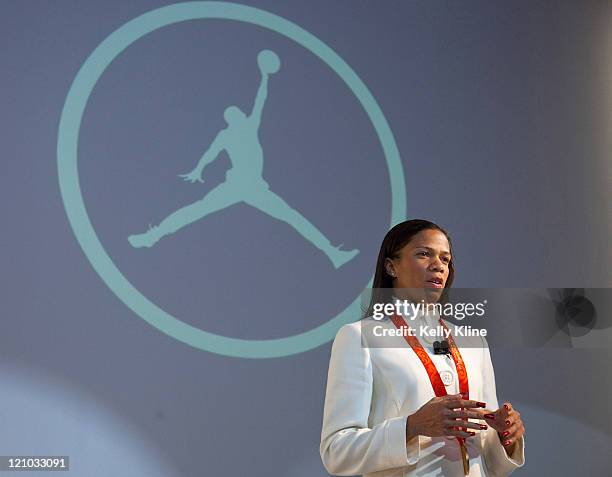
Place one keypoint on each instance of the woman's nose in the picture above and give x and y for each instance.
(436, 264)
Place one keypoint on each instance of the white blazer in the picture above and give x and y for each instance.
(371, 391)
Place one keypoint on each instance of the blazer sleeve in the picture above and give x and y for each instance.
(496, 460)
(348, 445)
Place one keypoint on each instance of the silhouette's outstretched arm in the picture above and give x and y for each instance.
(260, 99)
(209, 156)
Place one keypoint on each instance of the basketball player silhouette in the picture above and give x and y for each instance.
(244, 181)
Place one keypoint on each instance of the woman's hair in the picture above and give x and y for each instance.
(393, 242)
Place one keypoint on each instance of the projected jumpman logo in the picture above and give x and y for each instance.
(244, 181)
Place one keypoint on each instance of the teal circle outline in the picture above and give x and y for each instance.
(67, 154)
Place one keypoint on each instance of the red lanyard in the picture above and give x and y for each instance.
(430, 367)
(434, 375)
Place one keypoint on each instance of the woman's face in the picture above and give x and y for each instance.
(422, 266)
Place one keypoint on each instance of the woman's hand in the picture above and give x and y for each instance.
(508, 424)
(439, 417)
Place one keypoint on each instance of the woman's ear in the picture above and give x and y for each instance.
(389, 267)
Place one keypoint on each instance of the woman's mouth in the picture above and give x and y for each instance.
(436, 283)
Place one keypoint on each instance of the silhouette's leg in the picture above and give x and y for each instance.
(273, 205)
(218, 198)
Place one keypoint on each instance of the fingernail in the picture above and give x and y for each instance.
(505, 433)
(507, 422)
(506, 407)
(481, 404)
(484, 427)
(489, 416)
(507, 443)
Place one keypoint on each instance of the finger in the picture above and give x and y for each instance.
(501, 425)
(509, 431)
(465, 424)
(498, 421)
(456, 432)
(513, 435)
(495, 421)
(450, 397)
(467, 414)
(455, 403)
(506, 409)
(496, 416)
(516, 433)
(517, 428)
(513, 415)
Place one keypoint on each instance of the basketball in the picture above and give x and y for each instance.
(268, 61)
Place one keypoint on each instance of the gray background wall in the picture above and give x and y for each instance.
(502, 114)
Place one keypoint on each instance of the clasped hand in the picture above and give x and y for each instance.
(507, 422)
(440, 415)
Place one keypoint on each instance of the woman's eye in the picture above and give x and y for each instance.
(446, 260)
(423, 254)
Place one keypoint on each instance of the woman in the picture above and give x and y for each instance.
(385, 413)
